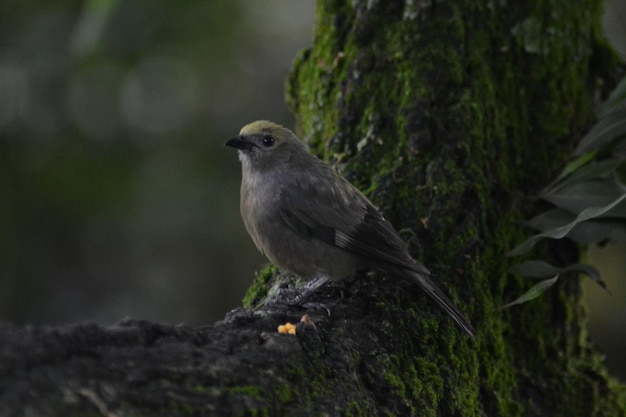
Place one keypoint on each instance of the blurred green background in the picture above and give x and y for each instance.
(117, 198)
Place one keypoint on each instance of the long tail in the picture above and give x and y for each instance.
(442, 299)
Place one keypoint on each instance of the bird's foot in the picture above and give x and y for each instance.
(286, 296)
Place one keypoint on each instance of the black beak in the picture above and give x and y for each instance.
(240, 142)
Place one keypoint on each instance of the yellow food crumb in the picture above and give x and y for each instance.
(287, 328)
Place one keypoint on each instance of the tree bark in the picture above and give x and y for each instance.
(450, 115)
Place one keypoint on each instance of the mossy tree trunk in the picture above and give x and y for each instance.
(450, 115)
(453, 115)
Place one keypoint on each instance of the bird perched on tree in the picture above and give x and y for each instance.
(312, 222)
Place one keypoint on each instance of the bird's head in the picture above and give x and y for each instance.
(264, 143)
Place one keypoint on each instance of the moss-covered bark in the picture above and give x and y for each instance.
(452, 115)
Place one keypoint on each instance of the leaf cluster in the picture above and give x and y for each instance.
(588, 198)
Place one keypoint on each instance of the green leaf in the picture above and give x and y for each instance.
(541, 269)
(619, 235)
(610, 128)
(617, 97)
(561, 232)
(576, 198)
(533, 293)
(590, 231)
(574, 165)
(577, 173)
(597, 231)
(551, 219)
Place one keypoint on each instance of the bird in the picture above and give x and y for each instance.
(307, 219)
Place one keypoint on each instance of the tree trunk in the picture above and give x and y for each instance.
(450, 115)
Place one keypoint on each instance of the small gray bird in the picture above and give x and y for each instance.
(312, 222)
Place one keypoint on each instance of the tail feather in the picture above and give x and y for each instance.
(444, 302)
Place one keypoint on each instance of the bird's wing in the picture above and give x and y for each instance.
(338, 214)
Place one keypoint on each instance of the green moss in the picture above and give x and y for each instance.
(255, 413)
(284, 393)
(259, 288)
(182, 408)
(355, 409)
(248, 390)
(199, 389)
(394, 383)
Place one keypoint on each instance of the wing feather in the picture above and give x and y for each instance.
(338, 214)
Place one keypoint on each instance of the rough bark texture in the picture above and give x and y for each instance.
(449, 115)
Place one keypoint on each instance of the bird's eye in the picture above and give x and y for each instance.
(268, 140)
